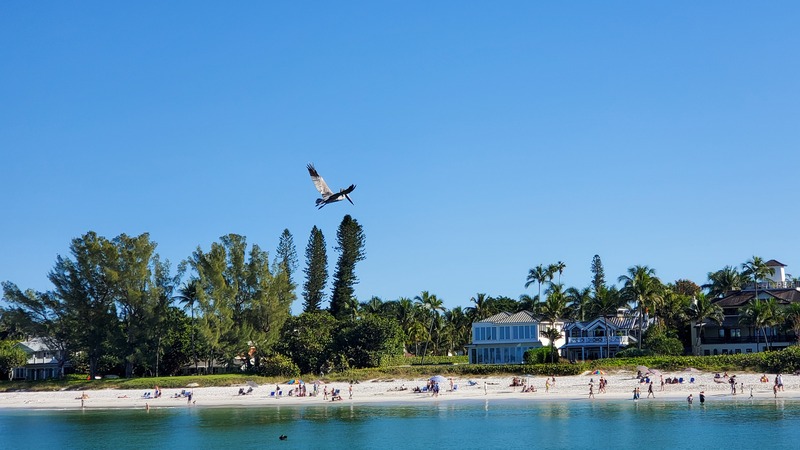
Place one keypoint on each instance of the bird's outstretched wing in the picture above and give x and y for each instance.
(318, 181)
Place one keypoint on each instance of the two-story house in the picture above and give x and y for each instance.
(737, 336)
(600, 337)
(505, 337)
(43, 362)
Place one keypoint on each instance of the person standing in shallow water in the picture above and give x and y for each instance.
(702, 397)
(689, 399)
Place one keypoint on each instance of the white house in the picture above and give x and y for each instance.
(42, 364)
(505, 337)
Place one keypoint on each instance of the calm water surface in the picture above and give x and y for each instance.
(462, 425)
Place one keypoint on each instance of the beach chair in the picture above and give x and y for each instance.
(455, 387)
(472, 383)
(272, 394)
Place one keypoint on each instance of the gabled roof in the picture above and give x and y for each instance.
(34, 345)
(507, 317)
(774, 263)
(740, 298)
(618, 323)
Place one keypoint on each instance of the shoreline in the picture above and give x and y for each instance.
(567, 389)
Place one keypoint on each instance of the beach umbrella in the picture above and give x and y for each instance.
(598, 372)
(296, 381)
(642, 369)
(438, 379)
(318, 382)
(193, 385)
(252, 383)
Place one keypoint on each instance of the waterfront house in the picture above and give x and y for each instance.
(600, 337)
(43, 362)
(505, 337)
(733, 335)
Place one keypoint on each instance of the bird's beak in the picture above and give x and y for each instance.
(348, 199)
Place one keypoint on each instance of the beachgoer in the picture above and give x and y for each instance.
(775, 390)
(650, 390)
(547, 385)
(689, 399)
(325, 393)
(779, 381)
(591, 390)
(351, 391)
(189, 397)
(702, 397)
(662, 382)
(484, 389)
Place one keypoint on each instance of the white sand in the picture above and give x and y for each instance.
(573, 388)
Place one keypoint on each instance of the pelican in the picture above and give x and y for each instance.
(327, 195)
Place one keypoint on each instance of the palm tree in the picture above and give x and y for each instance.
(792, 315)
(555, 307)
(560, 266)
(723, 281)
(187, 296)
(373, 306)
(430, 303)
(528, 303)
(538, 274)
(579, 302)
(459, 328)
(761, 314)
(481, 309)
(758, 269)
(700, 311)
(642, 287)
(605, 304)
(552, 334)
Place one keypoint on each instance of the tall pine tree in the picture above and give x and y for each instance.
(350, 240)
(316, 271)
(599, 278)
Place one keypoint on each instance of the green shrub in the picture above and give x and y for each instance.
(634, 352)
(278, 365)
(537, 355)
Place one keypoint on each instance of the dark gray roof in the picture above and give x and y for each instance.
(737, 299)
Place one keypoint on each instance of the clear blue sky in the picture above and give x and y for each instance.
(485, 138)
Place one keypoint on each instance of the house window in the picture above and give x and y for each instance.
(516, 332)
(527, 332)
(736, 332)
(721, 332)
(494, 333)
(599, 332)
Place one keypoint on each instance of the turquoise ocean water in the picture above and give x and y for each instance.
(460, 425)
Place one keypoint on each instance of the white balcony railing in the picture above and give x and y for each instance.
(621, 340)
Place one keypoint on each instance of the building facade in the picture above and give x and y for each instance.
(600, 337)
(736, 336)
(43, 362)
(505, 337)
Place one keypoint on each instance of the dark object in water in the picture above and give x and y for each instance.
(283, 437)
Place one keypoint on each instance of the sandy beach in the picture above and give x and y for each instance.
(620, 386)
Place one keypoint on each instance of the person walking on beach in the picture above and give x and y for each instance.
(591, 390)
(325, 393)
(650, 390)
(775, 390)
(662, 383)
(350, 389)
(547, 385)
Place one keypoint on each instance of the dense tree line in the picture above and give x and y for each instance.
(116, 307)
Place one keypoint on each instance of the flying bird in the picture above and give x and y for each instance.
(327, 195)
